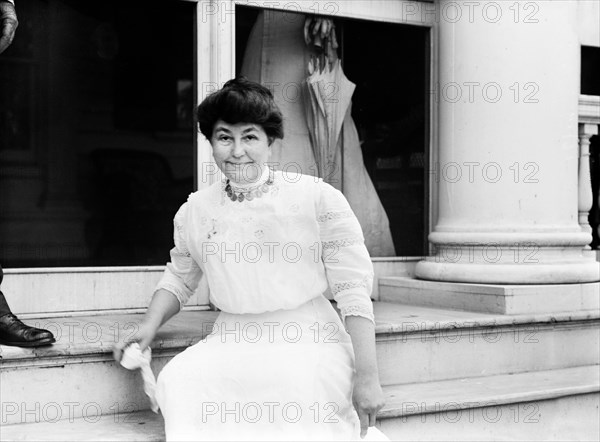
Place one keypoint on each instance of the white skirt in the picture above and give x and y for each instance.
(279, 375)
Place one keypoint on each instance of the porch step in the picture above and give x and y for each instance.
(77, 376)
(560, 404)
(414, 345)
(85, 290)
(548, 405)
(490, 298)
(421, 344)
(142, 426)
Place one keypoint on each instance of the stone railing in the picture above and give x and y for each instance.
(589, 119)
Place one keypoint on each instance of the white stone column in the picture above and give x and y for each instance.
(508, 171)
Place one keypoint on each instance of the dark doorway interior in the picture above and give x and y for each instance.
(389, 65)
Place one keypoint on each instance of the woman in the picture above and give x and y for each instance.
(279, 363)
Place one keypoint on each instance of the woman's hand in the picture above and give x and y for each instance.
(162, 307)
(143, 336)
(368, 399)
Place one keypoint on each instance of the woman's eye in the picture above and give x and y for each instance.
(251, 137)
(224, 138)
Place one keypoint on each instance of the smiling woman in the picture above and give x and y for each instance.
(282, 364)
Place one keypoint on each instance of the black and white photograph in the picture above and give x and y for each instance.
(299, 220)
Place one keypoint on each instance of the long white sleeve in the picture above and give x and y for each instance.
(182, 275)
(347, 262)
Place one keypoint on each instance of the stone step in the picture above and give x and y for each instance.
(557, 404)
(33, 292)
(547, 405)
(420, 344)
(77, 376)
(414, 344)
(490, 298)
(142, 426)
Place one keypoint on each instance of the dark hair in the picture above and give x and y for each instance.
(241, 101)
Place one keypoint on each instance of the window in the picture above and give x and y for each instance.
(96, 139)
(388, 63)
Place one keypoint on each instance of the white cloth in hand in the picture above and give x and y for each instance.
(134, 359)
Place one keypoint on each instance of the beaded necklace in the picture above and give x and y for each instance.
(249, 193)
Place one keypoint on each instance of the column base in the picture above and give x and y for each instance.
(581, 271)
(491, 298)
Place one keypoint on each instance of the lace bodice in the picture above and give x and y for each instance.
(274, 252)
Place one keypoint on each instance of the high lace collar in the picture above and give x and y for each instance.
(263, 179)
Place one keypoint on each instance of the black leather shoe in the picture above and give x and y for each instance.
(14, 332)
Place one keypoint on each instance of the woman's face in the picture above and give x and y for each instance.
(240, 150)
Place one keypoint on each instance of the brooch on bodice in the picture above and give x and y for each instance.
(213, 229)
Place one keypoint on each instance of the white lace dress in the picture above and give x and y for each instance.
(279, 363)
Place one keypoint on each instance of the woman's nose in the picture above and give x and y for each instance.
(238, 149)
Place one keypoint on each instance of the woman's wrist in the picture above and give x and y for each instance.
(366, 376)
(150, 327)
(146, 334)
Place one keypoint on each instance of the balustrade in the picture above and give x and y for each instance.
(589, 119)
